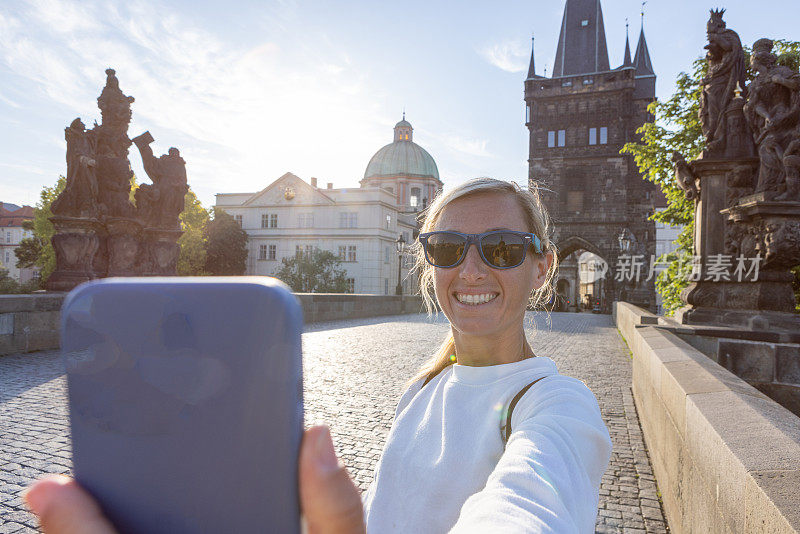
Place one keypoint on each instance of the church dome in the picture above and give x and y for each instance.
(402, 157)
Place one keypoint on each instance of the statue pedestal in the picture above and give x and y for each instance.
(161, 252)
(123, 246)
(75, 242)
(752, 226)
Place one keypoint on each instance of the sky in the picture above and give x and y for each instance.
(249, 90)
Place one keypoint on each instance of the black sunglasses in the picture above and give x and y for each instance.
(501, 249)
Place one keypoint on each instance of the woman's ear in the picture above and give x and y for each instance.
(541, 267)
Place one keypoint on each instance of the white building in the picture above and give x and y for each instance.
(360, 225)
(11, 233)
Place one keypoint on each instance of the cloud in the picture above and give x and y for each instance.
(241, 112)
(472, 147)
(510, 56)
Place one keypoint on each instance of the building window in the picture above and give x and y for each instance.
(273, 220)
(385, 286)
(8, 237)
(566, 84)
(238, 219)
(592, 136)
(309, 249)
(351, 253)
(387, 255)
(262, 252)
(351, 285)
(272, 252)
(298, 251)
(575, 201)
(551, 139)
(603, 135)
(305, 220)
(388, 222)
(348, 219)
(264, 220)
(342, 253)
(8, 257)
(527, 114)
(562, 137)
(415, 194)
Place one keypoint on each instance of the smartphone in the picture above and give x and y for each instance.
(185, 400)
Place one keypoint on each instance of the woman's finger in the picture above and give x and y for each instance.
(63, 507)
(330, 500)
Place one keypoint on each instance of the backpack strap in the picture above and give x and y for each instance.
(506, 431)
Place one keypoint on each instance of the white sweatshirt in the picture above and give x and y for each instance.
(443, 468)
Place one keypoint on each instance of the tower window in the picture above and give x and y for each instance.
(551, 139)
(415, 194)
(584, 22)
(592, 136)
(562, 137)
(603, 135)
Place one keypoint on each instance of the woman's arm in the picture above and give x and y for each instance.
(548, 478)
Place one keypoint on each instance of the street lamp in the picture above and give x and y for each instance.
(625, 240)
(400, 246)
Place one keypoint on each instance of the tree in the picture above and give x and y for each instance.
(226, 245)
(677, 128)
(316, 272)
(38, 251)
(194, 217)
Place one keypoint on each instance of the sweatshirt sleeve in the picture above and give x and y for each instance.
(548, 478)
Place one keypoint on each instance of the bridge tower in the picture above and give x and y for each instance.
(578, 120)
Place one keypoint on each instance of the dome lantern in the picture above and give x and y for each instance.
(403, 130)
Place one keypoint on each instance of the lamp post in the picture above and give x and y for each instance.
(624, 239)
(400, 246)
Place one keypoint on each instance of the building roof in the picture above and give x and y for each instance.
(582, 41)
(641, 60)
(14, 217)
(402, 157)
(626, 62)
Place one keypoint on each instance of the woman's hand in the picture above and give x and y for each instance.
(329, 499)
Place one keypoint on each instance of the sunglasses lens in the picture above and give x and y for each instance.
(503, 249)
(445, 249)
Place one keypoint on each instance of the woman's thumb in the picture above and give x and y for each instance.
(64, 507)
(330, 500)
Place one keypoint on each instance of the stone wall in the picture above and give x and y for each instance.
(726, 456)
(32, 322)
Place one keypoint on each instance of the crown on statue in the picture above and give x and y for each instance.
(716, 15)
(112, 97)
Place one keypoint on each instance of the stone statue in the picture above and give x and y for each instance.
(773, 112)
(160, 204)
(98, 232)
(685, 176)
(113, 168)
(79, 198)
(726, 71)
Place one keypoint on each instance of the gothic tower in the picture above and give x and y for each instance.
(578, 120)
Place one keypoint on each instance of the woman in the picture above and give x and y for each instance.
(453, 461)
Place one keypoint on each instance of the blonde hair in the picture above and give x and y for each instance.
(537, 221)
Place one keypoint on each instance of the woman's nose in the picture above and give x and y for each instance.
(473, 267)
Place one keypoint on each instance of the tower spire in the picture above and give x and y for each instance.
(641, 60)
(626, 62)
(582, 41)
(531, 67)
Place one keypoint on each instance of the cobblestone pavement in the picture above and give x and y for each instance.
(355, 372)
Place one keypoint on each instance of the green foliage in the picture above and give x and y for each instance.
(10, 286)
(677, 128)
(193, 218)
(226, 245)
(38, 251)
(318, 272)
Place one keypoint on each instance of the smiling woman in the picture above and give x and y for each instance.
(475, 446)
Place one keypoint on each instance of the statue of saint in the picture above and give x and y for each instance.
(79, 198)
(160, 204)
(726, 70)
(773, 111)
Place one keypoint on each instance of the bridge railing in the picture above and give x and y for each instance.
(32, 322)
(726, 457)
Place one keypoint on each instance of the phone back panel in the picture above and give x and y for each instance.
(186, 402)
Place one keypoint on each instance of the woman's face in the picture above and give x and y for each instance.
(508, 289)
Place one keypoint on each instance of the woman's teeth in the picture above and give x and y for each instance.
(475, 299)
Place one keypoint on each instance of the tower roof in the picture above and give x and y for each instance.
(642, 59)
(531, 67)
(626, 62)
(582, 41)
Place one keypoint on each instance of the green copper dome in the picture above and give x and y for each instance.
(402, 157)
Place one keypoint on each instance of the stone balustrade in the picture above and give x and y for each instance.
(726, 456)
(32, 322)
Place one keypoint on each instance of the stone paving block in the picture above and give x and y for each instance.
(354, 374)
